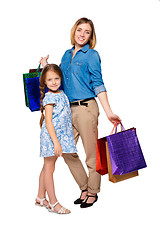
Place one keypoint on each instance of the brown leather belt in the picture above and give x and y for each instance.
(82, 102)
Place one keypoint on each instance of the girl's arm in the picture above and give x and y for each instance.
(51, 130)
(103, 98)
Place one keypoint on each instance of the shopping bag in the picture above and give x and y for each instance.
(35, 70)
(103, 163)
(125, 152)
(117, 178)
(101, 160)
(32, 90)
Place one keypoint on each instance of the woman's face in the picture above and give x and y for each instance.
(82, 34)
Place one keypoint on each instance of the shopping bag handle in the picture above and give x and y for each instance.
(38, 70)
(115, 127)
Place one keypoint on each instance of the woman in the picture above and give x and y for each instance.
(82, 82)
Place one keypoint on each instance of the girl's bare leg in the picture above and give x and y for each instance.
(42, 189)
(49, 167)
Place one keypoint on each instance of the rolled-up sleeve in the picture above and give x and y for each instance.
(94, 67)
(100, 89)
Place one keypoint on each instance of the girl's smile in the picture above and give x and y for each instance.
(53, 81)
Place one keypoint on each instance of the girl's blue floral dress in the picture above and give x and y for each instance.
(62, 121)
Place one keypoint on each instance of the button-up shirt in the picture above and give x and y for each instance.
(82, 77)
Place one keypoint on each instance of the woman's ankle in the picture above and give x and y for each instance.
(91, 194)
(84, 194)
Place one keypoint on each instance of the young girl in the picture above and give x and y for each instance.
(56, 135)
(82, 82)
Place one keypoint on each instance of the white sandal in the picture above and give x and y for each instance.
(61, 211)
(41, 202)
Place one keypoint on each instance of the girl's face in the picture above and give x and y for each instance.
(53, 81)
(82, 34)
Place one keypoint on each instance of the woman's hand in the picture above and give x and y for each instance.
(113, 118)
(57, 149)
(43, 61)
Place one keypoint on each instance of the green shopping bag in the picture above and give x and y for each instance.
(26, 76)
(31, 78)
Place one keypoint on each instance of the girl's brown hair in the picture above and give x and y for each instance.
(92, 41)
(48, 67)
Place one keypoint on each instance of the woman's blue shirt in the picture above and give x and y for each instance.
(82, 77)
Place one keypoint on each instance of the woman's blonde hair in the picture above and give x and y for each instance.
(43, 88)
(92, 40)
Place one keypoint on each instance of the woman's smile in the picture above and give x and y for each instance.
(82, 34)
(81, 39)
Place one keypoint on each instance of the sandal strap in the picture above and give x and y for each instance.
(62, 210)
(91, 196)
(53, 205)
(41, 200)
(85, 190)
(95, 196)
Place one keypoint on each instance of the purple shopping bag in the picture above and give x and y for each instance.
(125, 151)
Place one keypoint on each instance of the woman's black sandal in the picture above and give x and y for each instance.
(85, 204)
(79, 200)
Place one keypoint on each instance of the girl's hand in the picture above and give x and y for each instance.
(113, 118)
(43, 61)
(57, 149)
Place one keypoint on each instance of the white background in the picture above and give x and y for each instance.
(128, 42)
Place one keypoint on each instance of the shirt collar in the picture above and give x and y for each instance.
(84, 49)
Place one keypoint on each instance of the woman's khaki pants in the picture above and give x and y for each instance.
(85, 122)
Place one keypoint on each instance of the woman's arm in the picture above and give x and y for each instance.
(43, 61)
(51, 130)
(103, 98)
(94, 67)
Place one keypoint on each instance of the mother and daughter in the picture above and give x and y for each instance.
(72, 113)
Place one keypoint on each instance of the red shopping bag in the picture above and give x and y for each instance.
(101, 160)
